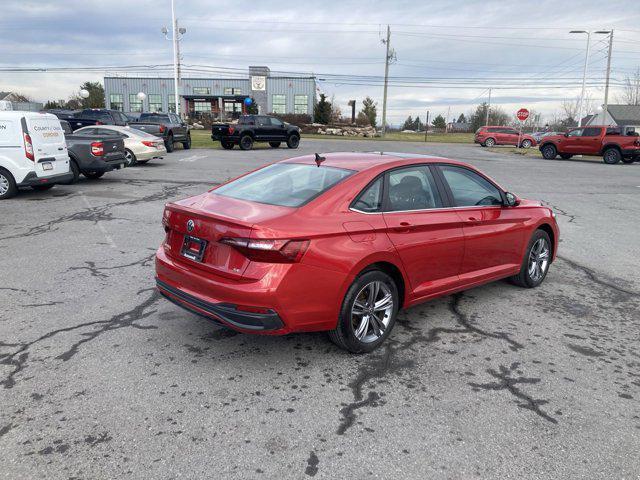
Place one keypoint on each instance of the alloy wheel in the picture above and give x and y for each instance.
(4, 184)
(371, 311)
(538, 260)
(128, 156)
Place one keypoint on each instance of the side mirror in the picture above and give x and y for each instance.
(512, 200)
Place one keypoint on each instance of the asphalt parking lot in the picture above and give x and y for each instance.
(102, 378)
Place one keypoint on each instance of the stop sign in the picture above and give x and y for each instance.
(522, 114)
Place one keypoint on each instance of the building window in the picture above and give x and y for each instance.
(117, 101)
(201, 90)
(300, 104)
(279, 104)
(155, 102)
(171, 103)
(135, 104)
(204, 107)
(232, 91)
(232, 107)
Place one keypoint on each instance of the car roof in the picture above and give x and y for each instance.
(361, 161)
(28, 114)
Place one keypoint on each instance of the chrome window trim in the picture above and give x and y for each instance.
(474, 207)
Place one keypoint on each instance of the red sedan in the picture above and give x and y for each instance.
(342, 242)
(492, 136)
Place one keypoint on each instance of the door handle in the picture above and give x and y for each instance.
(404, 227)
(472, 221)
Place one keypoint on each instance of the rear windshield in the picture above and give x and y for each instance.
(284, 184)
(153, 118)
(95, 115)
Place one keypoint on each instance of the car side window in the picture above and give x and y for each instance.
(412, 188)
(370, 200)
(263, 121)
(276, 123)
(591, 132)
(468, 188)
(575, 133)
(106, 132)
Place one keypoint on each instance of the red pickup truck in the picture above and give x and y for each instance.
(615, 144)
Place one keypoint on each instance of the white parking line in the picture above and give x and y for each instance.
(192, 158)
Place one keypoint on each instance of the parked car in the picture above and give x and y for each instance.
(96, 116)
(491, 136)
(614, 144)
(167, 126)
(342, 242)
(62, 113)
(256, 128)
(139, 147)
(32, 152)
(93, 153)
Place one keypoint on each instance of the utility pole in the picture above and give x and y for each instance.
(176, 59)
(388, 56)
(606, 86)
(486, 120)
(426, 127)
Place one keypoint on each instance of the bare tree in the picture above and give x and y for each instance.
(571, 109)
(630, 94)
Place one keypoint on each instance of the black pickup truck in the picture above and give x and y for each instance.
(167, 126)
(256, 128)
(92, 155)
(94, 116)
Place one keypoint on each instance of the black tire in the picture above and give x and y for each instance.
(8, 186)
(490, 142)
(628, 160)
(75, 171)
(130, 157)
(293, 141)
(565, 156)
(246, 142)
(42, 188)
(93, 175)
(526, 143)
(611, 156)
(187, 145)
(227, 145)
(344, 334)
(524, 277)
(275, 144)
(549, 151)
(169, 144)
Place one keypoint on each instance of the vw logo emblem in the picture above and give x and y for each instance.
(191, 225)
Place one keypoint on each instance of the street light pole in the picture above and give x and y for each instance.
(176, 95)
(584, 73)
(386, 81)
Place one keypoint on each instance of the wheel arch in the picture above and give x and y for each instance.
(387, 266)
(548, 229)
(609, 146)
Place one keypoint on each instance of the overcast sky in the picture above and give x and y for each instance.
(520, 48)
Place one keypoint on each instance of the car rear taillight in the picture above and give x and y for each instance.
(149, 143)
(162, 128)
(97, 149)
(231, 130)
(270, 251)
(28, 147)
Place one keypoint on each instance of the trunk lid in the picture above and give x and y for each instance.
(49, 146)
(209, 218)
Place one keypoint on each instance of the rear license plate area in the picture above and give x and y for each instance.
(47, 166)
(193, 248)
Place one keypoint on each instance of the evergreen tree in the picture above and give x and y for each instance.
(369, 110)
(439, 122)
(322, 110)
(408, 124)
(462, 118)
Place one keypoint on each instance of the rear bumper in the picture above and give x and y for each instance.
(32, 179)
(100, 165)
(224, 313)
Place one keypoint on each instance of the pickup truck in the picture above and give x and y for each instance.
(94, 116)
(92, 155)
(255, 128)
(614, 144)
(167, 126)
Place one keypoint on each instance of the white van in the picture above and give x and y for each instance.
(33, 152)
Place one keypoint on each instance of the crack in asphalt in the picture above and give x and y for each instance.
(560, 211)
(18, 359)
(97, 214)
(595, 277)
(509, 383)
(382, 365)
(98, 271)
(18, 290)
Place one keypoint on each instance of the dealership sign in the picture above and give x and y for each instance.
(258, 83)
(522, 114)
